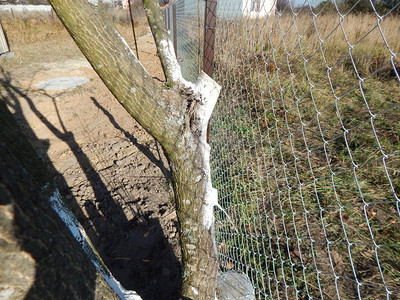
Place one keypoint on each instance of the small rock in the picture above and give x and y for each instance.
(62, 83)
(232, 285)
(8, 55)
(171, 216)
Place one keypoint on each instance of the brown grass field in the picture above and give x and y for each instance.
(309, 164)
(29, 31)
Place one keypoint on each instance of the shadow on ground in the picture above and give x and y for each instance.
(136, 251)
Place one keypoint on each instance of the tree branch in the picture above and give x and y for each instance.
(165, 48)
(160, 113)
(167, 5)
(178, 120)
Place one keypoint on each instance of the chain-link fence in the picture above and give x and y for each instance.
(185, 20)
(305, 143)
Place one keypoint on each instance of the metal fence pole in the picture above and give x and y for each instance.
(133, 28)
(174, 29)
(210, 20)
(169, 18)
(209, 36)
(164, 13)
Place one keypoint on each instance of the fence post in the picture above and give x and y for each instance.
(164, 13)
(210, 20)
(133, 28)
(174, 29)
(4, 47)
(169, 18)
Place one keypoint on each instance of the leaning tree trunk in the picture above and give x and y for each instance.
(39, 257)
(176, 117)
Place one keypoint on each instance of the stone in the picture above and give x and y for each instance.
(62, 83)
(234, 285)
(8, 55)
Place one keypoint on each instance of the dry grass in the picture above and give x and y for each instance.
(35, 37)
(309, 120)
(296, 39)
(37, 40)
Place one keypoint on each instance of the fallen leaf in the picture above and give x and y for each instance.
(391, 220)
(222, 246)
(371, 212)
(345, 218)
(229, 265)
(295, 254)
(249, 227)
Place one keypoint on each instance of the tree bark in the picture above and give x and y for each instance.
(176, 117)
(160, 112)
(39, 257)
(165, 48)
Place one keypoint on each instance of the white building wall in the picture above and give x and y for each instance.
(259, 8)
(248, 8)
(229, 8)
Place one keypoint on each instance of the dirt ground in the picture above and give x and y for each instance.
(110, 171)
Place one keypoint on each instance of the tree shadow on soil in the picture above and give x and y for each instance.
(137, 253)
(36, 247)
(157, 161)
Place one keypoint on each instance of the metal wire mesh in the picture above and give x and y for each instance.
(306, 148)
(185, 21)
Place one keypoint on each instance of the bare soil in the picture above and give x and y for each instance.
(110, 171)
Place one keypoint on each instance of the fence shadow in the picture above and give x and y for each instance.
(36, 244)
